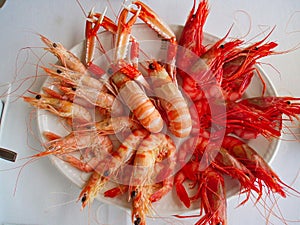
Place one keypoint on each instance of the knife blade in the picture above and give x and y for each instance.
(8, 154)
(1, 110)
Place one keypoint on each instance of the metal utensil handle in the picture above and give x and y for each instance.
(4, 152)
(8, 154)
(2, 3)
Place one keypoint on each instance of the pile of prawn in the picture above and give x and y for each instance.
(196, 95)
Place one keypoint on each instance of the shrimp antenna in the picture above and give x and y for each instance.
(81, 8)
(249, 19)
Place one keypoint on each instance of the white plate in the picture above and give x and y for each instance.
(153, 47)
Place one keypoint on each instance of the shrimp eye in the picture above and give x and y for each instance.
(83, 199)
(288, 102)
(106, 173)
(152, 66)
(133, 194)
(51, 148)
(160, 63)
(73, 88)
(137, 221)
(110, 71)
(220, 223)
(54, 45)
(256, 48)
(222, 46)
(38, 97)
(58, 71)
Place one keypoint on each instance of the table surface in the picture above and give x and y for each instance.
(38, 193)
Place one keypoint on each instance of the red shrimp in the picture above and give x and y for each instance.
(67, 58)
(131, 93)
(61, 108)
(256, 164)
(273, 106)
(251, 117)
(225, 163)
(68, 96)
(109, 166)
(206, 152)
(75, 141)
(205, 75)
(213, 198)
(157, 24)
(191, 39)
(114, 125)
(88, 158)
(95, 97)
(172, 100)
(74, 78)
(155, 148)
(211, 191)
(239, 68)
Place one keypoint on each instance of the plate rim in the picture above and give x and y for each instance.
(58, 163)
